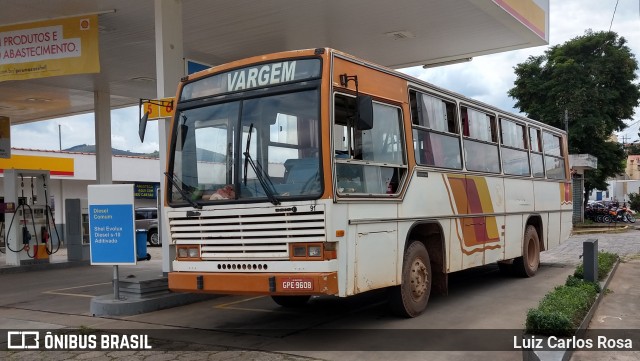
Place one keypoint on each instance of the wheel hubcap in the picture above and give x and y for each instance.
(418, 279)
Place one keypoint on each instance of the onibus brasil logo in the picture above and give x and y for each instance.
(33, 340)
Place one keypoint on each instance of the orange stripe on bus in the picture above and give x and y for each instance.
(471, 196)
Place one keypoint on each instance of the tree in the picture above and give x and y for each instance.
(591, 77)
(634, 201)
(633, 148)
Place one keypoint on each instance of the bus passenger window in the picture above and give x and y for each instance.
(537, 164)
(480, 143)
(515, 158)
(435, 135)
(553, 156)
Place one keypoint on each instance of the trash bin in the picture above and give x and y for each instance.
(141, 245)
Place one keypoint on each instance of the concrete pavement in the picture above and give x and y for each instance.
(59, 299)
(618, 311)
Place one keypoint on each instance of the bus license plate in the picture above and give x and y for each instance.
(296, 284)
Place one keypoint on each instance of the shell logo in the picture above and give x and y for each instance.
(85, 24)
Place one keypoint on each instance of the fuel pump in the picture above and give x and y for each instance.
(28, 230)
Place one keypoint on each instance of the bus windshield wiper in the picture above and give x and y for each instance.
(185, 195)
(263, 178)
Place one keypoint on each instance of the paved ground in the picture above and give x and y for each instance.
(478, 299)
(570, 251)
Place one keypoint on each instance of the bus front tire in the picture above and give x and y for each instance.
(410, 298)
(291, 301)
(527, 265)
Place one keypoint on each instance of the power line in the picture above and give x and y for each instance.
(614, 14)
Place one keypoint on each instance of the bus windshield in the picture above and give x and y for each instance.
(258, 149)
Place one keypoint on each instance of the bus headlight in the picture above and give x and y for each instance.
(300, 251)
(194, 252)
(314, 251)
(188, 252)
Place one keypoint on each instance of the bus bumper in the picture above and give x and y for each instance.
(255, 283)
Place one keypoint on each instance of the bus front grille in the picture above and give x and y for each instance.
(247, 234)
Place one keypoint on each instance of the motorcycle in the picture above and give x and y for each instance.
(622, 214)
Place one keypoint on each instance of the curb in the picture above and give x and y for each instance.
(598, 230)
(42, 267)
(565, 354)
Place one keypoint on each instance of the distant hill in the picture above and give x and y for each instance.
(84, 148)
(202, 154)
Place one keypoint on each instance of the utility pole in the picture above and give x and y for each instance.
(60, 136)
(566, 121)
(624, 139)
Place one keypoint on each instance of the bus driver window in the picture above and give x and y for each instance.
(369, 161)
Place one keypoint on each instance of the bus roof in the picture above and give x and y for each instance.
(329, 52)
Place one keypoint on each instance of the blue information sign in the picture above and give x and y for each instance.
(111, 233)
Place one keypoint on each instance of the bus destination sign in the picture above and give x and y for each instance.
(252, 77)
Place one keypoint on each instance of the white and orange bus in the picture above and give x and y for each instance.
(314, 172)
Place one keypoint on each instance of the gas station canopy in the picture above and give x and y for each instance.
(393, 33)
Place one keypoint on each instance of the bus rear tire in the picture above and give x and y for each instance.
(411, 297)
(291, 301)
(527, 265)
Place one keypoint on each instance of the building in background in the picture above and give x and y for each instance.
(71, 173)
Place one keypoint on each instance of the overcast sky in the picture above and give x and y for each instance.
(486, 78)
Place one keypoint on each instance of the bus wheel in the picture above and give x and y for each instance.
(291, 301)
(411, 297)
(527, 265)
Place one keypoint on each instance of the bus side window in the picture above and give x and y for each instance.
(435, 131)
(481, 145)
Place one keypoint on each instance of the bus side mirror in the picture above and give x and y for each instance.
(364, 104)
(183, 135)
(142, 126)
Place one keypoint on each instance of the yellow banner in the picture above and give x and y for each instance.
(56, 166)
(160, 108)
(49, 48)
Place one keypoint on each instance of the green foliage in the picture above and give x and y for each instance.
(561, 311)
(592, 78)
(606, 261)
(548, 323)
(573, 281)
(634, 201)
(633, 149)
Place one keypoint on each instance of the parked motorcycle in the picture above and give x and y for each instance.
(622, 214)
(612, 212)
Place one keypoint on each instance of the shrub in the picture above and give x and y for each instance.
(606, 261)
(561, 310)
(573, 281)
(634, 201)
